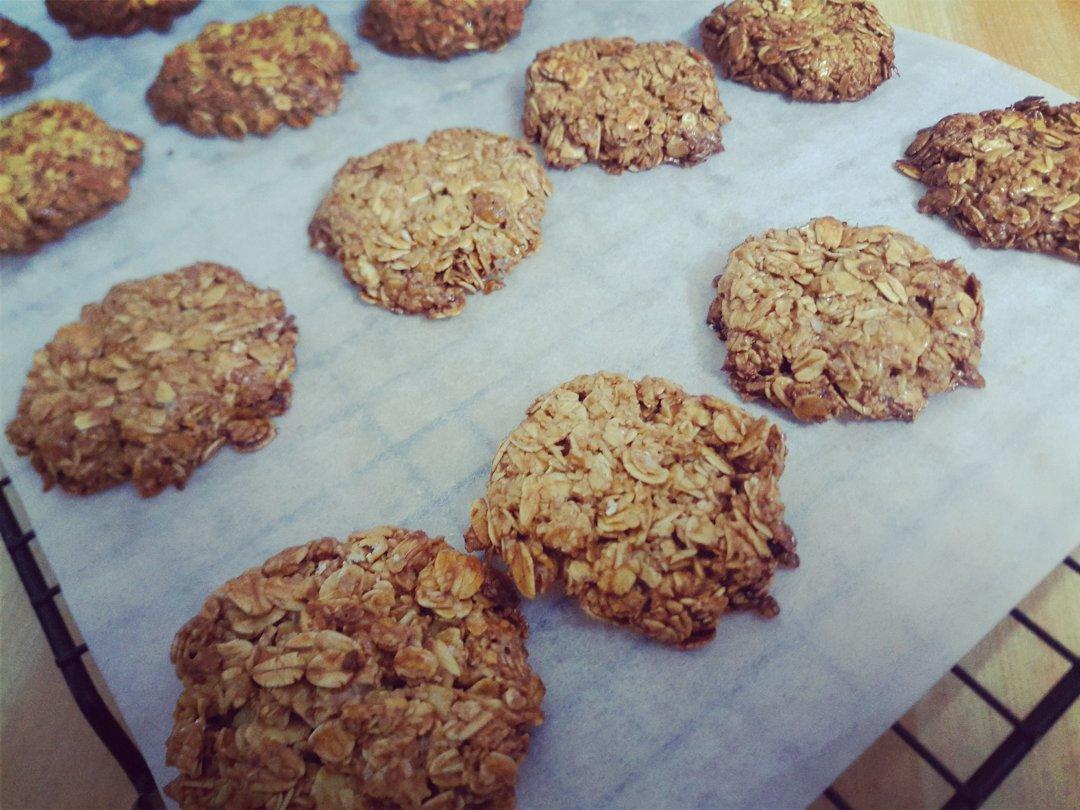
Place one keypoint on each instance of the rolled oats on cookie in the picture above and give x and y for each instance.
(119, 18)
(834, 320)
(1009, 178)
(623, 104)
(385, 670)
(149, 383)
(21, 53)
(442, 28)
(655, 509)
(811, 50)
(60, 165)
(416, 225)
(235, 79)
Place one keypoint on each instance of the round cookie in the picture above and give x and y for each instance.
(656, 509)
(623, 104)
(833, 320)
(149, 383)
(442, 28)
(21, 52)
(387, 670)
(283, 67)
(1009, 178)
(60, 165)
(119, 18)
(811, 50)
(416, 226)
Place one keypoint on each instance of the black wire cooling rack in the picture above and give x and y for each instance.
(969, 793)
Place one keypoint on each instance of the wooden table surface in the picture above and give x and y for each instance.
(49, 758)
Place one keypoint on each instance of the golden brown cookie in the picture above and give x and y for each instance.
(387, 670)
(834, 320)
(416, 226)
(623, 104)
(283, 67)
(21, 53)
(442, 28)
(60, 165)
(149, 383)
(811, 50)
(1009, 178)
(656, 509)
(119, 18)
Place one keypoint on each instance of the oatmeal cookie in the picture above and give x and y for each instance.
(623, 104)
(283, 67)
(387, 670)
(812, 50)
(656, 509)
(1009, 178)
(833, 320)
(60, 165)
(118, 18)
(149, 383)
(442, 28)
(21, 53)
(416, 226)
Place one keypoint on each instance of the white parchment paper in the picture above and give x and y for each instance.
(914, 538)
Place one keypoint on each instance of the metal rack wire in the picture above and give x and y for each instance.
(1026, 732)
(68, 655)
(969, 793)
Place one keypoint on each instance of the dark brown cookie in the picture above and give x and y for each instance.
(812, 50)
(60, 165)
(284, 67)
(119, 18)
(623, 104)
(386, 670)
(21, 52)
(1009, 178)
(442, 28)
(149, 383)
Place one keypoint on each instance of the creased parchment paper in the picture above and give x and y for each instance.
(914, 538)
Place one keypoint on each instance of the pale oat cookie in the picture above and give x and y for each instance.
(416, 226)
(60, 165)
(234, 79)
(834, 320)
(811, 50)
(149, 383)
(623, 104)
(21, 53)
(656, 509)
(388, 670)
(118, 18)
(442, 28)
(1009, 178)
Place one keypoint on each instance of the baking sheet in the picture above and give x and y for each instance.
(915, 538)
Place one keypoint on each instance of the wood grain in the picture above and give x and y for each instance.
(1039, 36)
(49, 758)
